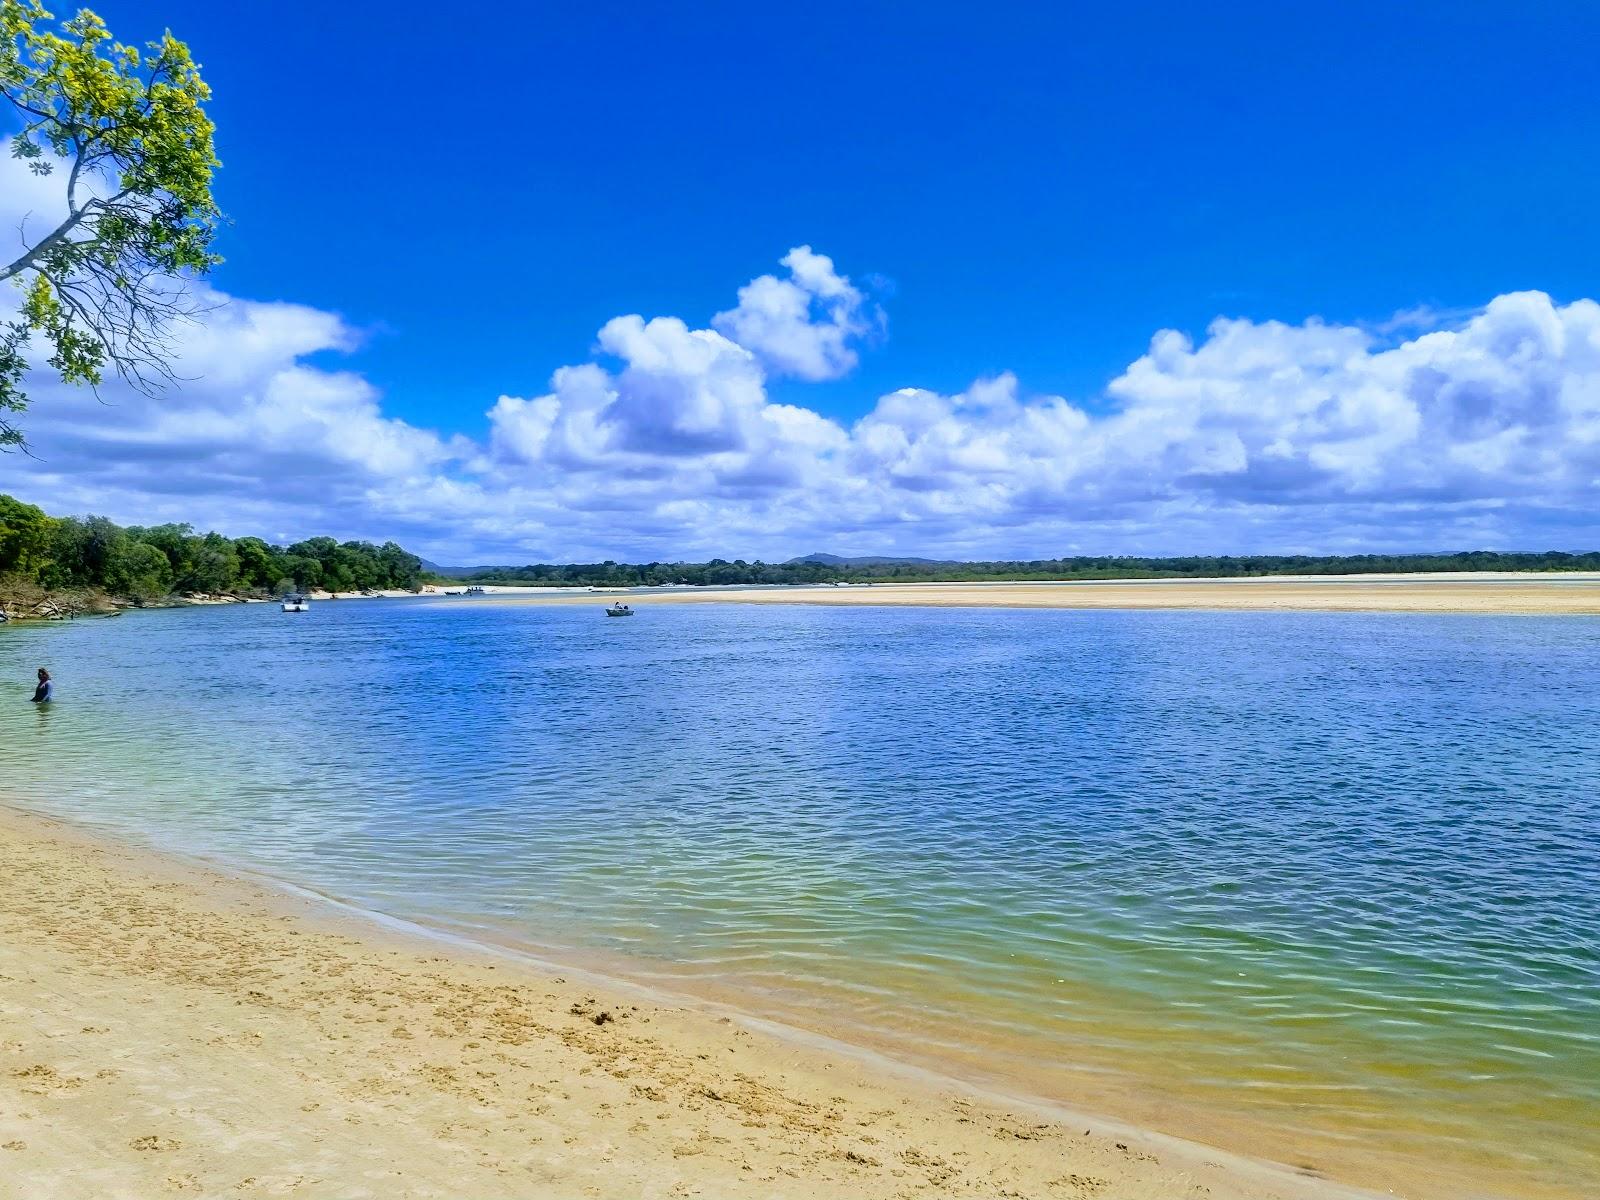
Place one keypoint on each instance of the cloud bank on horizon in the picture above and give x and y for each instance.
(666, 444)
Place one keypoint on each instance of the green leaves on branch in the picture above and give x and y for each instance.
(125, 133)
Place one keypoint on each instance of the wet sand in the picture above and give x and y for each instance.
(1466, 593)
(171, 1028)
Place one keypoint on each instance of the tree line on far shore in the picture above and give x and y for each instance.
(71, 561)
(721, 571)
(57, 564)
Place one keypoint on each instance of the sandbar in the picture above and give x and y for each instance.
(1552, 594)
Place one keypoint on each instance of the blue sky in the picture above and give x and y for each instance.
(1028, 189)
(1042, 186)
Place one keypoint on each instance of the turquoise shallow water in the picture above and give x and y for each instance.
(1324, 885)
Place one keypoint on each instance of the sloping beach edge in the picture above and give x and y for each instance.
(177, 1026)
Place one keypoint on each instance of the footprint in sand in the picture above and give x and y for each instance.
(154, 1141)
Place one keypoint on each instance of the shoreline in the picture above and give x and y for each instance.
(1574, 594)
(374, 1020)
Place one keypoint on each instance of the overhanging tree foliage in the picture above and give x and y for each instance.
(126, 133)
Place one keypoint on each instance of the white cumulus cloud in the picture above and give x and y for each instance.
(801, 326)
(1256, 436)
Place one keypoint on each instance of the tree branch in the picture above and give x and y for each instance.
(30, 258)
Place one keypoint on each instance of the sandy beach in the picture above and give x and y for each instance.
(171, 1028)
(1529, 594)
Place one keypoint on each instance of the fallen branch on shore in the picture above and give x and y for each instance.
(24, 600)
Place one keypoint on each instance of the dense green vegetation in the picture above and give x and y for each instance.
(41, 554)
(720, 571)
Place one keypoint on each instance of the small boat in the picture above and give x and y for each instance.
(619, 610)
(296, 604)
(473, 591)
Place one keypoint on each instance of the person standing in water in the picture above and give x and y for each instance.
(46, 689)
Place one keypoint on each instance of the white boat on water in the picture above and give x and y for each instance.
(619, 610)
(296, 604)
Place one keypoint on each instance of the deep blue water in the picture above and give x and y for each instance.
(1333, 873)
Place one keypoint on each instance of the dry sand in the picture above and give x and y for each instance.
(170, 1029)
(1467, 593)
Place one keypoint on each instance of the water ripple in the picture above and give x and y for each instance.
(1335, 869)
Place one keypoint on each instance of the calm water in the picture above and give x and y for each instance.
(1321, 886)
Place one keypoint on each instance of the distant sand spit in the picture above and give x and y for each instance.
(1511, 594)
(172, 1029)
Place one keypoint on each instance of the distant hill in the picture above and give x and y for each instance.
(825, 560)
(837, 568)
(434, 568)
(867, 560)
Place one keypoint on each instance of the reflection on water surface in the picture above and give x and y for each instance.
(1310, 877)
